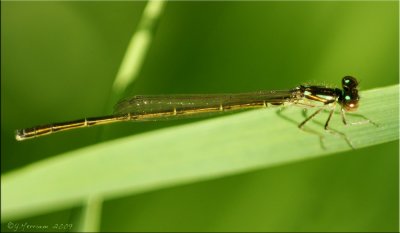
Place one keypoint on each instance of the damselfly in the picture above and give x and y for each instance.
(158, 107)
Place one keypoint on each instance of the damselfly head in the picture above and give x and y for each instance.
(350, 98)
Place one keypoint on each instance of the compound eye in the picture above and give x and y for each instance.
(350, 102)
(349, 82)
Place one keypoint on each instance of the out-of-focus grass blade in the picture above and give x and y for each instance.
(189, 153)
(129, 69)
(91, 214)
(137, 49)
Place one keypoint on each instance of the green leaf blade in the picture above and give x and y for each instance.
(208, 149)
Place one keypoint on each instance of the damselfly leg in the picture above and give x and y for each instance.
(365, 121)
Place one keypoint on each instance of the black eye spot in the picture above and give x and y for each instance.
(349, 82)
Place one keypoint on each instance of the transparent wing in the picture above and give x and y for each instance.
(178, 105)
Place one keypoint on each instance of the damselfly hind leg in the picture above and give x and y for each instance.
(310, 117)
(321, 136)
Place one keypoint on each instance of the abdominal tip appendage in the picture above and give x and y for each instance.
(19, 135)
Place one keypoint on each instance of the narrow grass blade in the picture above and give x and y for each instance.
(91, 216)
(137, 49)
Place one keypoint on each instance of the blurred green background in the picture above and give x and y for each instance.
(59, 60)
